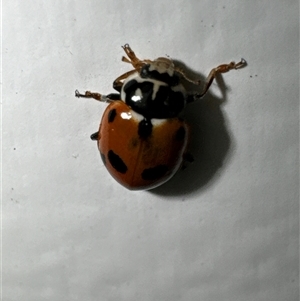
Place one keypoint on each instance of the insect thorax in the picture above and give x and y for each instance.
(154, 92)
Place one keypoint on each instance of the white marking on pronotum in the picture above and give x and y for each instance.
(140, 80)
(156, 85)
(162, 65)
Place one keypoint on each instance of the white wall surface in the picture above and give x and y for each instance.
(224, 229)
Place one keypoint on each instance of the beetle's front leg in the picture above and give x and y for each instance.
(132, 58)
(118, 82)
(94, 95)
(220, 69)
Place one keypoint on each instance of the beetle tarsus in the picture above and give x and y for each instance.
(77, 94)
(241, 64)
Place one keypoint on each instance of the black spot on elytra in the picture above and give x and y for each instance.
(95, 136)
(111, 115)
(180, 134)
(116, 162)
(154, 173)
(103, 158)
(145, 128)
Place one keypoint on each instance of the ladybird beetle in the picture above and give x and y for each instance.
(142, 139)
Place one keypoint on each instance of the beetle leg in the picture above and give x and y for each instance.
(134, 61)
(132, 58)
(95, 95)
(131, 55)
(186, 158)
(114, 96)
(95, 136)
(118, 83)
(220, 69)
(181, 72)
